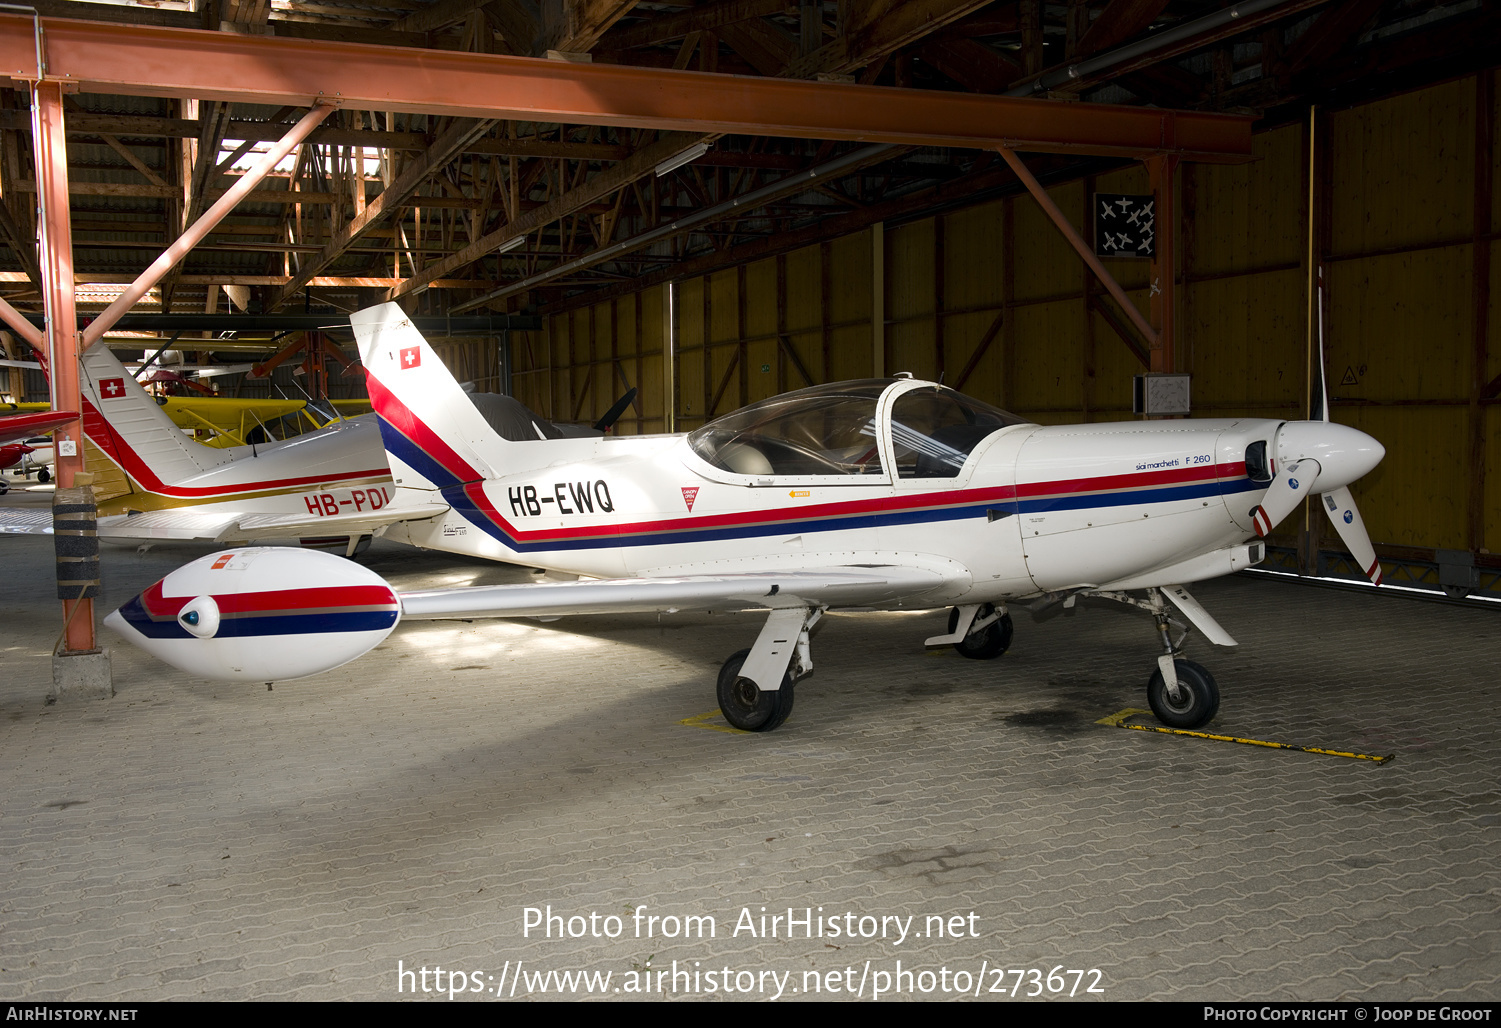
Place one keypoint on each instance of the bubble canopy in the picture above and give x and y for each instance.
(837, 430)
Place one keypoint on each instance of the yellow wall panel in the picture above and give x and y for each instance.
(1251, 216)
(1115, 368)
(761, 299)
(850, 279)
(1404, 169)
(1248, 344)
(1491, 541)
(1046, 265)
(1402, 325)
(850, 354)
(972, 244)
(805, 292)
(909, 272)
(1418, 495)
(1049, 361)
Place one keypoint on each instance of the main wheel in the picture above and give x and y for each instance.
(746, 705)
(1198, 697)
(44, 476)
(990, 642)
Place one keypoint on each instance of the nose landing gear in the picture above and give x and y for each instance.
(1182, 693)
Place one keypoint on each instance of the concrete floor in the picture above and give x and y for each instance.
(197, 840)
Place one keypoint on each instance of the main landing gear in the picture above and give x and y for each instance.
(988, 634)
(745, 704)
(781, 655)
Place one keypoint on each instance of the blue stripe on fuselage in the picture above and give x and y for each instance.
(605, 535)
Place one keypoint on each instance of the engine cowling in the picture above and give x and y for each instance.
(261, 614)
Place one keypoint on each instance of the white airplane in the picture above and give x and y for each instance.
(154, 483)
(880, 494)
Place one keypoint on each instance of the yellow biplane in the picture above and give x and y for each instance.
(226, 421)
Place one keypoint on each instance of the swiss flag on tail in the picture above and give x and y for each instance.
(109, 388)
(411, 357)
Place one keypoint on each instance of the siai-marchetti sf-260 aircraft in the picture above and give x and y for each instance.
(881, 494)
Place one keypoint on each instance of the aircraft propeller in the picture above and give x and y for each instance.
(1320, 456)
(612, 415)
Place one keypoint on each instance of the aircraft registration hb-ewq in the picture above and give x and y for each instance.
(888, 494)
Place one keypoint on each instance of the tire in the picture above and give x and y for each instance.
(747, 707)
(1193, 710)
(44, 476)
(990, 642)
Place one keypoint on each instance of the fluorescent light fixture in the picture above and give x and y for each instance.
(688, 156)
(513, 244)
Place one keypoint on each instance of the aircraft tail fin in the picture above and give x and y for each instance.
(434, 436)
(122, 420)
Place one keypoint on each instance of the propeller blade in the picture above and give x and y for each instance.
(1346, 519)
(612, 415)
(1284, 494)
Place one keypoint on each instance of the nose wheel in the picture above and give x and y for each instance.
(1182, 693)
(1197, 697)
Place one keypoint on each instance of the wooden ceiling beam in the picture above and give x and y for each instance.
(879, 28)
(1118, 22)
(973, 65)
(1327, 35)
(617, 176)
(712, 16)
(444, 149)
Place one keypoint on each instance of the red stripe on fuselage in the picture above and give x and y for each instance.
(854, 508)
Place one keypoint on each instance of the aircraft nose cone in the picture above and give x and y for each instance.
(1344, 454)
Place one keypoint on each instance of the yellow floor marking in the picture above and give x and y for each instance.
(1119, 719)
(701, 721)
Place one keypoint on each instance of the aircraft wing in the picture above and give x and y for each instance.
(233, 528)
(836, 587)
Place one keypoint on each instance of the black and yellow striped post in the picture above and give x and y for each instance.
(80, 669)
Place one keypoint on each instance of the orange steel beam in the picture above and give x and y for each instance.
(22, 327)
(142, 60)
(55, 256)
(1081, 247)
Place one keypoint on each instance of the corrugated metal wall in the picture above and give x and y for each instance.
(995, 300)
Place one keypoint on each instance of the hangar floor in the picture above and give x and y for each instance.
(194, 840)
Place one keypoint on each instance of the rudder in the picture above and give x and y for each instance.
(433, 435)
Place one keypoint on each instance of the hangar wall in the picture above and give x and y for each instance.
(994, 299)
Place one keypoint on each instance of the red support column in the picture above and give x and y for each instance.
(56, 261)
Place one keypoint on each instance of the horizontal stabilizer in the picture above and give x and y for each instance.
(186, 525)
